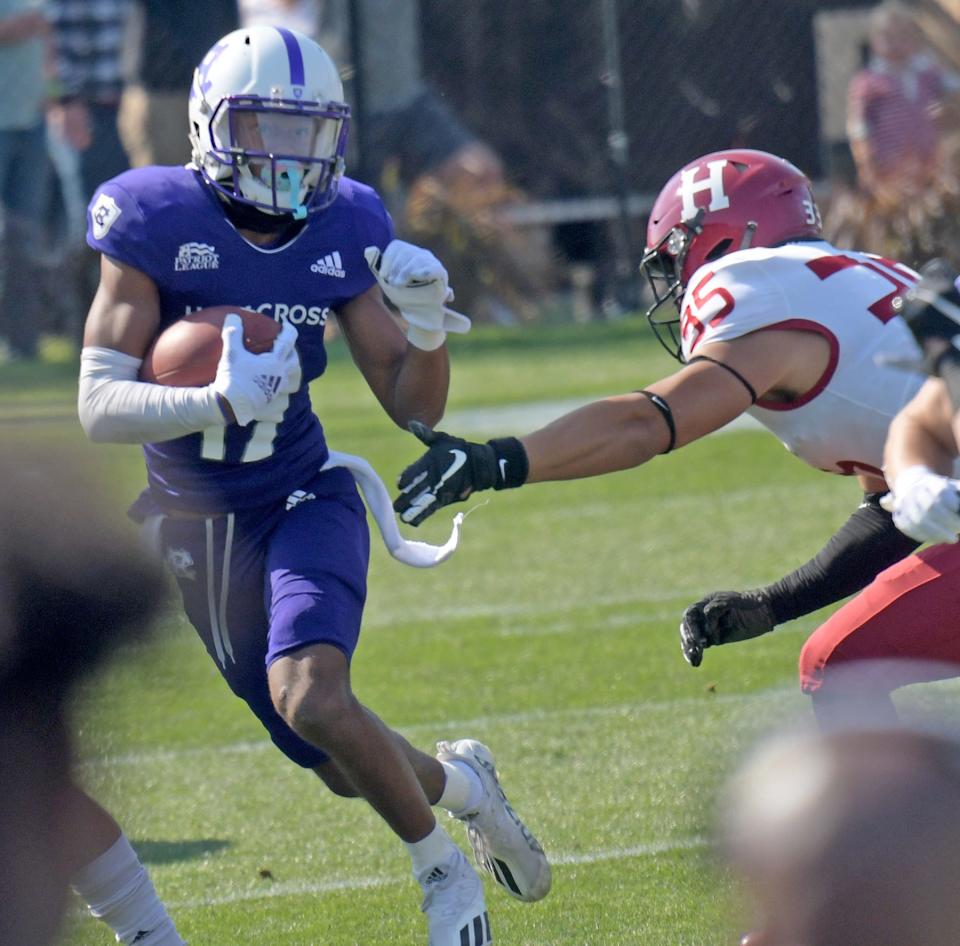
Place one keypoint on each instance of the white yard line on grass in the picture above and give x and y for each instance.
(530, 415)
(165, 756)
(366, 883)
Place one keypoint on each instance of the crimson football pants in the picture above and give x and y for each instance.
(907, 619)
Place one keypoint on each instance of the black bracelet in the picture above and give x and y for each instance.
(661, 405)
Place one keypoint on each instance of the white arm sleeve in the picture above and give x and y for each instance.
(115, 407)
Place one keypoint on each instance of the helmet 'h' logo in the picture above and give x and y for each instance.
(690, 187)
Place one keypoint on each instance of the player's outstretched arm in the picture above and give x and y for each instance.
(614, 433)
(453, 468)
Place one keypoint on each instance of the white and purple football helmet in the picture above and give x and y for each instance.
(268, 123)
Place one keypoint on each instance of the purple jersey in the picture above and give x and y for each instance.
(167, 223)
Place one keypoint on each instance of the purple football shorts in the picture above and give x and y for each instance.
(264, 582)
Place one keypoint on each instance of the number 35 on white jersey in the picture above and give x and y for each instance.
(849, 299)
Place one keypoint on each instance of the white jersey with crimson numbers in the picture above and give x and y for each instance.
(848, 298)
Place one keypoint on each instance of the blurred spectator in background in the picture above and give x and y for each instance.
(442, 183)
(908, 189)
(893, 108)
(300, 15)
(409, 132)
(72, 587)
(83, 138)
(848, 838)
(444, 186)
(167, 39)
(88, 44)
(843, 212)
(23, 171)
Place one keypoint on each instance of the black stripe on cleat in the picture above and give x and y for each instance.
(508, 880)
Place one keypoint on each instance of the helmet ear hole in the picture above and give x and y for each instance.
(721, 249)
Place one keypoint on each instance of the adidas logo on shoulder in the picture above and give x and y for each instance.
(330, 265)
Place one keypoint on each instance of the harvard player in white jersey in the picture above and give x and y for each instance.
(766, 318)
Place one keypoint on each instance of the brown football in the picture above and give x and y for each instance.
(185, 354)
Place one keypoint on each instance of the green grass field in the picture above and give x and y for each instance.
(550, 635)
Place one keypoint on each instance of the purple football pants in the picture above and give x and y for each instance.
(261, 583)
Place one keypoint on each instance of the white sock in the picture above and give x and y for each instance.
(463, 789)
(118, 890)
(434, 849)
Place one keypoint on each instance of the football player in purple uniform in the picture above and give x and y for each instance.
(769, 319)
(267, 539)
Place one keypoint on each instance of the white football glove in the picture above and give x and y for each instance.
(925, 505)
(414, 280)
(257, 387)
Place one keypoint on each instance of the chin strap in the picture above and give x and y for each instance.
(415, 554)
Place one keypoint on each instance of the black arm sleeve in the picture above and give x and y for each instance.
(862, 547)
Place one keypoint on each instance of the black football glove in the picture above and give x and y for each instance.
(453, 468)
(723, 617)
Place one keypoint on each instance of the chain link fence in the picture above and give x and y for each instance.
(593, 104)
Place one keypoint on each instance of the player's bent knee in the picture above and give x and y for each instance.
(315, 709)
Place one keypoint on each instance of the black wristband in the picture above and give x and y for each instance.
(512, 463)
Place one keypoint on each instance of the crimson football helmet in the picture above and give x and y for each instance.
(718, 204)
(268, 121)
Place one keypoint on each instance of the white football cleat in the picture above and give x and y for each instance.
(454, 905)
(502, 843)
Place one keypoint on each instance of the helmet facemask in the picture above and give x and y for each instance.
(279, 155)
(663, 266)
(268, 121)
